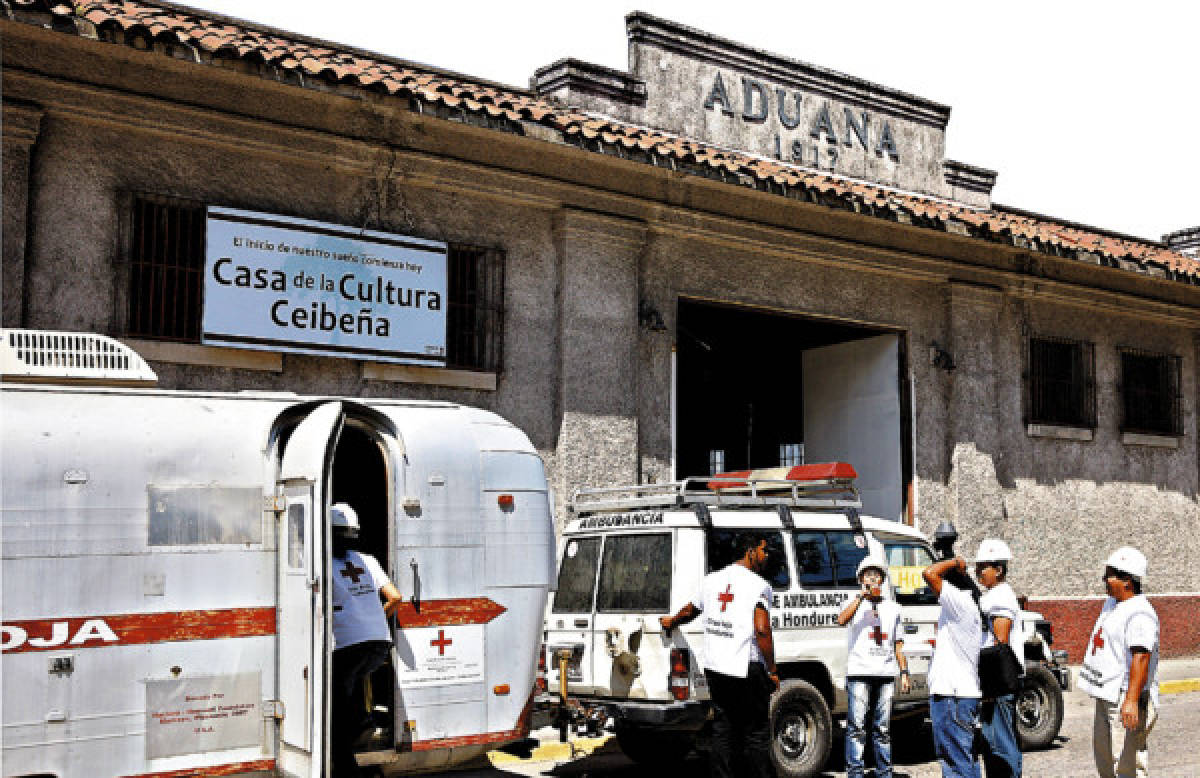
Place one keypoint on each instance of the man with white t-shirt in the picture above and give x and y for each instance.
(998, 716)
(1120, 669)
(362, 639)
(954, 670)
(739, 658)
(874, 655)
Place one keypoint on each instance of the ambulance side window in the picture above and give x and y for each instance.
(846, 556)
(814, 566)
(295, 536)
(722, 551)
(635, 574)
(577, 575)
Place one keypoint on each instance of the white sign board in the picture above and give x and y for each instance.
(438, 656)
(205, 713)
(282, 284)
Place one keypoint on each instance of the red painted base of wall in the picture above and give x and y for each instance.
(1178, 618)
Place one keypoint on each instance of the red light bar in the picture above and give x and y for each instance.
(825, 471)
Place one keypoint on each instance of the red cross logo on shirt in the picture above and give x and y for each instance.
(725, 597)
(351, 572)
(441, 642)
(878, 634)
(1098, 641)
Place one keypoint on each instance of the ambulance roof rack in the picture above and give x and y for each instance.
(828, 486)
(45, 356)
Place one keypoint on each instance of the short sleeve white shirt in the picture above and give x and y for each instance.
(357, 612)
(1119, 629)
(871, 640)
(1001, 602)
(954, 669)
(726, 602)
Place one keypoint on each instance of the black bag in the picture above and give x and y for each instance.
(999, 671)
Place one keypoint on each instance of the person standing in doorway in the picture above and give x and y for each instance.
(954, 670)
(998, 717)
(739, 658)
(363, 598)
(1120, 669)
(874, 656)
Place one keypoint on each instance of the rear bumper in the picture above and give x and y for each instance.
(666, 715)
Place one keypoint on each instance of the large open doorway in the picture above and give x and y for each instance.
(360, 478)
(757, 388)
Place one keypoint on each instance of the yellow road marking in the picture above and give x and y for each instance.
(553, 752)
(1182, 685)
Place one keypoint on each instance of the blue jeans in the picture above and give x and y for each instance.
(1002, 754)
(954, 734)
(873, 695)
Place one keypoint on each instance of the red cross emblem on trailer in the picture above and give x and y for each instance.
(1098, 640)
(351, 572)
(441, 642)
(725, 597)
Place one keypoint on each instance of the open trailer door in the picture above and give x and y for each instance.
(852, 404)
(303, 591)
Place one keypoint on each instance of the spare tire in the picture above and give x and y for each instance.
(801, 730)
(1039, 708)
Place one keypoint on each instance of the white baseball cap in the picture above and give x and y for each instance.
(1128, 560)
(993, 550)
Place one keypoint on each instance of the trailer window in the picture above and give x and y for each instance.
(194, 515)
(295, 536)
(722, 551)
(577, 576)
(635, 574)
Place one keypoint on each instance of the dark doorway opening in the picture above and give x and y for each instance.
(741, 398)
(360, 478)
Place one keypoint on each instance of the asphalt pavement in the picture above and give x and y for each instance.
(1173, 751)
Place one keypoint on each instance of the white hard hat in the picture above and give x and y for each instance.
(1128, 560)
(993, 550)
(343, 516)
(871, 561)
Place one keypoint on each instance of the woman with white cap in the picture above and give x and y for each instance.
(998, 605)
(874, 656)
(1120, 669)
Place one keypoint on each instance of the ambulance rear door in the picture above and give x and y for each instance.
(303, 591)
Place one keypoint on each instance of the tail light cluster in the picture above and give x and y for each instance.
(541, 684)
(679, 681)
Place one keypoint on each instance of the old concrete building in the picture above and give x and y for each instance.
(720, 258)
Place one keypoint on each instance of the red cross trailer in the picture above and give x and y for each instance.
(166, 577)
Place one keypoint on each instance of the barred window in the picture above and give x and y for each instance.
(166, 281)
(1061, 382)
(1151, 393)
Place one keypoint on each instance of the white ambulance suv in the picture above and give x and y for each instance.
(632, 554)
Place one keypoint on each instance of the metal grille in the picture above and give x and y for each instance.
(1062, 383)
(1151, 397)
(476, 309)
(166, 269)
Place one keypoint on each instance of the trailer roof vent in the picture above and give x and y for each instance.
(40, 356)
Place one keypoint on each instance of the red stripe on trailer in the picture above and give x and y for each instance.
(135, 628)
(825, 471)
(447, 613)
(224, 769)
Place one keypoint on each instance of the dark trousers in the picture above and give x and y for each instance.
(1001, 751)
(741, 732)
(346, 707)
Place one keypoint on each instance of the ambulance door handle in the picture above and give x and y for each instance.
(581, 623)
(416, 595)
(910, 629)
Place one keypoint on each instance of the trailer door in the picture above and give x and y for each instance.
(303, 591)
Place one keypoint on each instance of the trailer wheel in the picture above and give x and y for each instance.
(801, 730)
(1039, 708)
(654, 747)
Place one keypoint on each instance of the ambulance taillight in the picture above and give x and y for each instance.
(680, 685)
(541, 684)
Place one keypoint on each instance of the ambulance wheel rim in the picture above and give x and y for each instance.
(1031, 707)
(793, 734)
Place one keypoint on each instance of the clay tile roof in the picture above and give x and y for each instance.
(130, 21)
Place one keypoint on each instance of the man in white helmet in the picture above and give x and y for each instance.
(1120, 669)
(363, 598)
(874, 656)
(997, 716)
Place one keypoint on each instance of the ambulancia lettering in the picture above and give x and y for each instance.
(91, 630)
(615, 520)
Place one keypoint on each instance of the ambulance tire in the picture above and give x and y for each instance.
(801, 730)
(1039, 708)
(654, 747)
